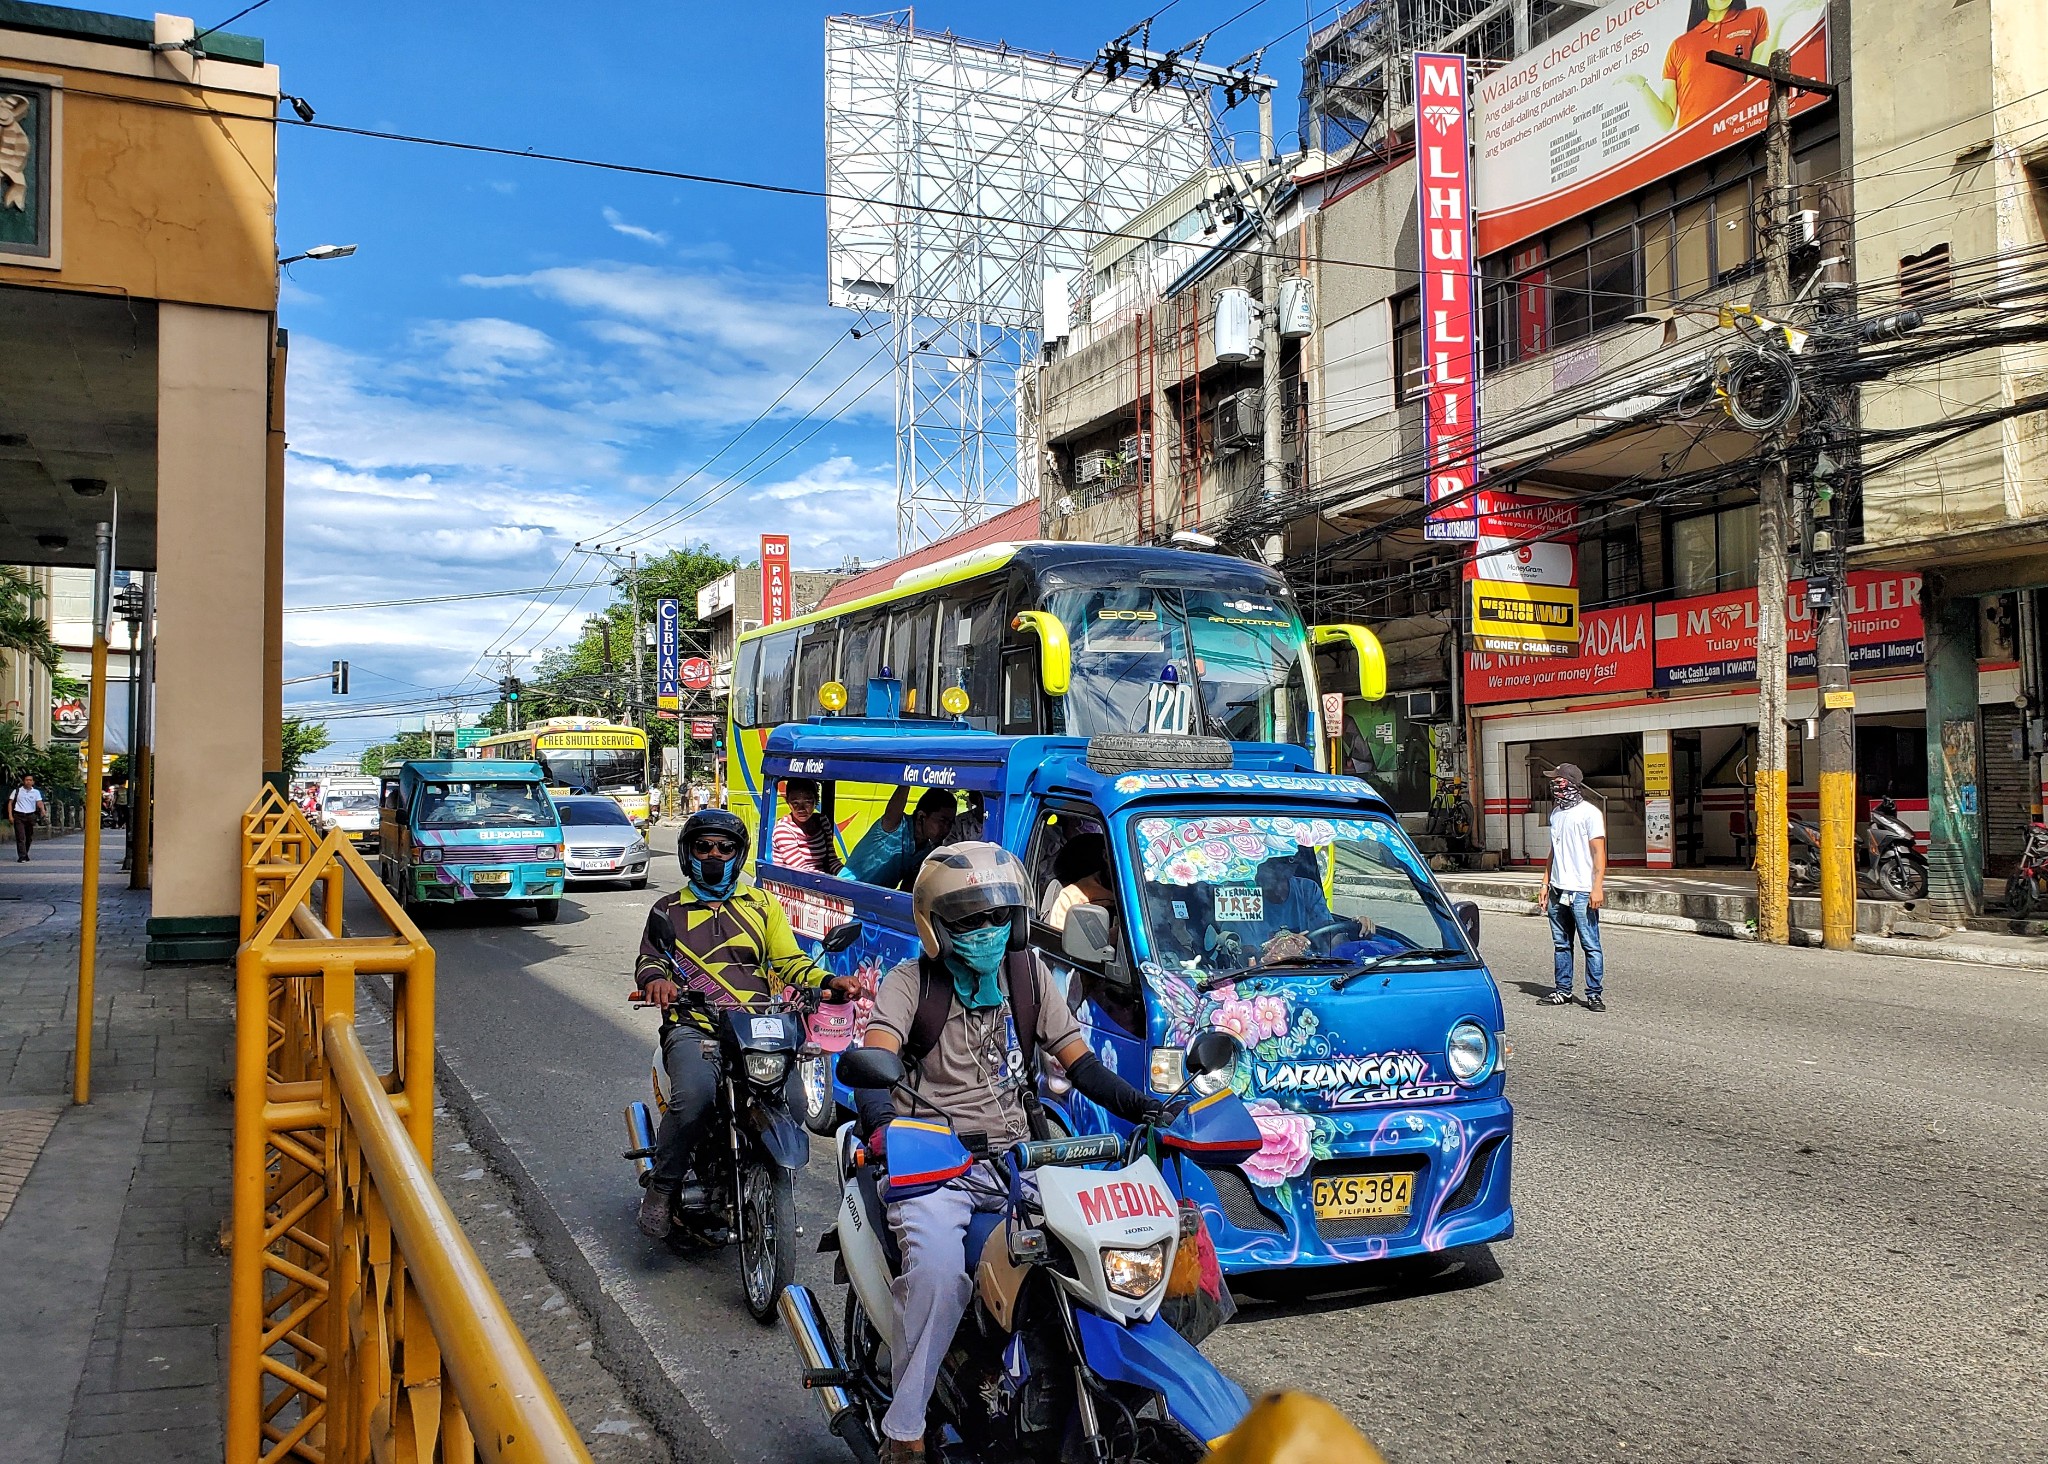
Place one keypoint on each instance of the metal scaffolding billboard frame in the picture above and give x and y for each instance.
(959, 176)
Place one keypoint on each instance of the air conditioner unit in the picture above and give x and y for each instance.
(1240, 418)
(1425, 706)
(1137, 447)
(1089, 465)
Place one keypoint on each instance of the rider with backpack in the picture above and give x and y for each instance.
(969, 1017)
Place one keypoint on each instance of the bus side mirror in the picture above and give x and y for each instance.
(1055, 656)
(1372, 660)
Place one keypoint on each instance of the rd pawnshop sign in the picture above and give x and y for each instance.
(1450, 350)
(775, 591)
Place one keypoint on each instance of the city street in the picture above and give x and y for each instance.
(1773, 1204)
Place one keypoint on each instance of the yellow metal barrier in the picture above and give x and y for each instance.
(354, 1293)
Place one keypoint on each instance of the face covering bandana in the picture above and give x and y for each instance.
(1564, 795)
(713, 879)
(974, 960)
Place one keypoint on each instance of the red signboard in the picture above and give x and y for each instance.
(703, 729)
(695, 673)
(1711, 639)
(775, 602)
(1614, 656)
(1450, 351)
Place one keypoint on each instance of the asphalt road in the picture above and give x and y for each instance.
(1771, 1205)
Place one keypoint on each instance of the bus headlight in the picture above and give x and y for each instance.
(1134, 1273)
(1469, 1049)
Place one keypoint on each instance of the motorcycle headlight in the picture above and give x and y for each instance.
(547, 851)
(1134, 1273)
(1469, 1050)
(430, 854)
(767, 1067)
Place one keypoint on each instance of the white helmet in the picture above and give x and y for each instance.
(966, 879)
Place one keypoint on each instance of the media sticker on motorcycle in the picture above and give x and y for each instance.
(1240, 905)
(766, 1029)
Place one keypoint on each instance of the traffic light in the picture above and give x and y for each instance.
(508, 688)
(337, 680)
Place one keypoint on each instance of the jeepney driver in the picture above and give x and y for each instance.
(1293, 908)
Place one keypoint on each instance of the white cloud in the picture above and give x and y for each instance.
(632, 231)
(485, 348)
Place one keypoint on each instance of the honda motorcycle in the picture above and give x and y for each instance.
(2023, 887)
(1064, 1355)
(742, 1184)
(1888, 853)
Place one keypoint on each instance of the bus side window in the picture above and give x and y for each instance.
(970, 657)
(860, 657)
(910, 646)
(816, 657)
(778, 664)
(1020, 693)
(746, 667)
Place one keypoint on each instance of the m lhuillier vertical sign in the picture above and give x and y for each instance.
(1450, 349)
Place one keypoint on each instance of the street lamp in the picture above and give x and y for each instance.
(319, 252)
(128, 605)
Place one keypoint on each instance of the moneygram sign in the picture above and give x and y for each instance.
(1450, 350)
(1622, 99)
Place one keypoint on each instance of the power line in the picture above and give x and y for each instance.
(435, 599)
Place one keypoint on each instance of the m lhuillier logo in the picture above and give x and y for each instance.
(14, 152)
(1443, 119)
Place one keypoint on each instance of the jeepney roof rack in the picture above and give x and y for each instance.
(1140, 752)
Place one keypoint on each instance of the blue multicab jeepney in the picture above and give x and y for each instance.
(470, 829)
(1374, 1060)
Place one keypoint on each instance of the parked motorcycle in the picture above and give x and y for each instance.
(2023, 887)
(1064, 1352)
(743, 1176)
(1888, 854)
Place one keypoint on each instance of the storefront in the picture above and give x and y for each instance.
(1659, 710)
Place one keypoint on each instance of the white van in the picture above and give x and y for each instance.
(349, 804)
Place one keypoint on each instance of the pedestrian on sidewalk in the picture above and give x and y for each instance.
(1575, 884)
(25, 804)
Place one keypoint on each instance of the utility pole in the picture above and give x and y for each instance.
(639, 651)
(1272, 483)
(1773, 923)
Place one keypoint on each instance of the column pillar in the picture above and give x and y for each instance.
(1955, 854)
(1657, 845)
(212, 558)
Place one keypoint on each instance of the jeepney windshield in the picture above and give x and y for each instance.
(1227, 662)
(1223, 891)
(484, 805)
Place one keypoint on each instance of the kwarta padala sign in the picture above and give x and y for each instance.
(27, 202)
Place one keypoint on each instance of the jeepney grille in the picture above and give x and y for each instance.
(1476, 1171)
(1373, 1224)
(490, 854)
(1241, 1206)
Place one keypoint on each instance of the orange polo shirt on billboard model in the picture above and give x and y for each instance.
(1702, 87)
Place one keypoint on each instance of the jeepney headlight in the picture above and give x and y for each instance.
(430, 854)
(1469, 1049)
(1170, 1071)
(547, 851)
(1134, 1273)
(767, 1067)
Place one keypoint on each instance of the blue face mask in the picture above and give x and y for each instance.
(974, 961)
(712, 879)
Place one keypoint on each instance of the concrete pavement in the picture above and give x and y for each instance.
(1781, 1204)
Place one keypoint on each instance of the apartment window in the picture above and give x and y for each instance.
(1610, 568)
(1714, 551)
(1924, 276)
(1407, 346)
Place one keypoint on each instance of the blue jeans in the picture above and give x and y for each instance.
(1569, 913)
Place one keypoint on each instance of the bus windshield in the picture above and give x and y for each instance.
(593, 769)
(484, 805)
(1227, 662)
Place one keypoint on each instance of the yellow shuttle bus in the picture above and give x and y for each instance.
(1055, 639)
(581, 755)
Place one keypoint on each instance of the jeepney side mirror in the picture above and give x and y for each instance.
(1372, 658)
(1467, 912)
(1088, 936)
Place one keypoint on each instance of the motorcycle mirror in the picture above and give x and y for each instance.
(1213, 1052)
(840, 937)
(870, 1067)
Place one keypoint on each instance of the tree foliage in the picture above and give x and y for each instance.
(405, 746)
(23, 629)
(301, 740)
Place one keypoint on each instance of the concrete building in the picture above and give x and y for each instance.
(1604, 262)
(141, 384)
(728, 607)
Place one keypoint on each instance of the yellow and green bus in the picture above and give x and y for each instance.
(581, 755)
(1055, 639)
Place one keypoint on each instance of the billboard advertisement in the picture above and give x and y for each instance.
(1613, 656)
(1710, 640)
(775, 592)
(1623, 98)
(1450, 334)
(1525, 575)
(668, 652)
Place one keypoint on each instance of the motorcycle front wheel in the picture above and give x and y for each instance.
(1902, 879)
(2021, 896)
(767, 1234)
(820, 1110)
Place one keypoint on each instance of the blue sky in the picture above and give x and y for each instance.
(522, 354)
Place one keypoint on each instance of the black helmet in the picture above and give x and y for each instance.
(713, 879)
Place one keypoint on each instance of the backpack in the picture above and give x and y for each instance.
(935, 1003)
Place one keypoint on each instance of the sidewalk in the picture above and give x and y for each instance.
(114, 1303)
(1722, 901)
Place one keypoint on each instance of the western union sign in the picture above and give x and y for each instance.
(1517, 619)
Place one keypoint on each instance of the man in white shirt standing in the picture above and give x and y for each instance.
(25, 803)
(1575, 883)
